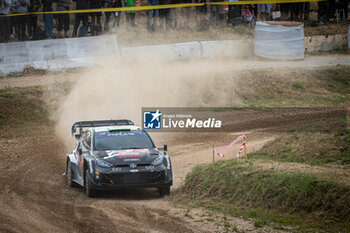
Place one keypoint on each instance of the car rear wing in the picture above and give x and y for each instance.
(83, 124)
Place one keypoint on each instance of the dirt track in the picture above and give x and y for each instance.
(32, 79)
(35, 197)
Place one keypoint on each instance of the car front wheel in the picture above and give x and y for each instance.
(164, 191)
(89, 191)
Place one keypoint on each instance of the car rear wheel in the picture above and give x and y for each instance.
(164, 191)
(88, 190)
(70, 181)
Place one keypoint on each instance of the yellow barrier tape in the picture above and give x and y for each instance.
(156, 7)
(260, 2)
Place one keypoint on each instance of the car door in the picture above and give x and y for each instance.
(85, 150)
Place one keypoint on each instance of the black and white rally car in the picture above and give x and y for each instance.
(115, 154)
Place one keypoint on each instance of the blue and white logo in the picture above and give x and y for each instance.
(152, 120)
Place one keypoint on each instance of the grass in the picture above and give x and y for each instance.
(298, 85)
(303, 87)
(239, 188)
(18, 106)
(320, 142)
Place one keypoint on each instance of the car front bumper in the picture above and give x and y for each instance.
(123, 180)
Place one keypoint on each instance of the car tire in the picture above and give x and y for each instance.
(70, 181)
(88, 190)
(164, 191)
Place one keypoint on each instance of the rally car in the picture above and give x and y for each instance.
(115, 154)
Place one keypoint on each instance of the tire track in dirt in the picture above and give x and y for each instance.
(35, 197)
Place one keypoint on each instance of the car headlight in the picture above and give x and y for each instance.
(103, 163)
(157, 161)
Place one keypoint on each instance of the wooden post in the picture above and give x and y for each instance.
(245, 152)
(213, 155)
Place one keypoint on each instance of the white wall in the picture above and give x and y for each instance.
(55, 54)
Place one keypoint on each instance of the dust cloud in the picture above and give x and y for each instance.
(117, 89)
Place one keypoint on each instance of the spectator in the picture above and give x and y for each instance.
(305, 11)
(322, 12)
(130, 15)
(152, 14)
(235, 14)
(164, 15)
(175, 15)
(346, 7)
(81, 5)
(33, 19)
(96, 27)
(117, 4)
(107, 4)
(5, 22)
(254, 9)
(201, 12)
(47, 7)
(264, 10)
(248, 16)
(21, 7)
(296, 8)
(63, 19)
(284, 8)
(185, 15)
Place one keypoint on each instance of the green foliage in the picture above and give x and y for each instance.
(311, 143)
(241, 29)
(259, 223)
(243, 185)
(252, 214)
(298, 85)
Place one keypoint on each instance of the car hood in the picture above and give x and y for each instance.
(137, 156)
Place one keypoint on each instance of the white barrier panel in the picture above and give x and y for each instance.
(187, 50)
(227, 48)
(279, 42)
(167, 51)
(163, 51)
(57, 54)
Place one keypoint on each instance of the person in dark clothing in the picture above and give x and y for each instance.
(305, 11)
(235, 14)
(322, 12)
(164, 15)
(81, 5)
(47, 7)
(116, 21)
(285, 9)
(5, 22)
(33, 19)
(331, 9)
(107, 4)
(63, 19)
(296, 10)
(95, 16)
(116, 15)
(346, 7)
(152, 15)
(21, 7)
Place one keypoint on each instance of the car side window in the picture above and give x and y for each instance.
(87, 140)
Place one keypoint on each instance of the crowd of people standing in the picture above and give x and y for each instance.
(24, 26)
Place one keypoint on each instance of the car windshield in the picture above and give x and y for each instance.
(120, 140)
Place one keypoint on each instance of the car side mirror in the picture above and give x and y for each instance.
(77, 136)
(165, 147)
